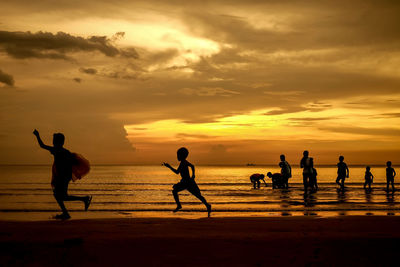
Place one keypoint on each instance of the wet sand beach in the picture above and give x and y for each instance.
(268, 241)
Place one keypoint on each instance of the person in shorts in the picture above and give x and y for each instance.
(187, 182)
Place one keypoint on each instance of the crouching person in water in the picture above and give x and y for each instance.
(186, 182)
(62, 173)
(255, 180)
(278, 180)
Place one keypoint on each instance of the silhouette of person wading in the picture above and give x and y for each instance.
(186, 182)
(306, 163)
(62, 170)
(342, 172)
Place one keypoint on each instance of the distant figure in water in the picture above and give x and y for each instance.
(62, 173)
(390, 174)
(369, 178)
(343, 172)
(186, 182)
(255, 180)
(278, 181)
(306, 164)
(286, 169)
(313, 177)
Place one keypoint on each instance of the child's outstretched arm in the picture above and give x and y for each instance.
(348, 172)
(41, 144)
(171, 168)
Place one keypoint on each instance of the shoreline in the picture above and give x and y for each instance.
(249, 241)
(46, 216)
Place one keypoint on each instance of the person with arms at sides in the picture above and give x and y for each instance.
(342, 172)
(390, 174)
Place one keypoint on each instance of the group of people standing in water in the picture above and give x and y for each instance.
(69, 166)
(281, 180)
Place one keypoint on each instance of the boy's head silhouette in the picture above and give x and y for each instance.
(269, 174)
(282, 157)
(341, 158)
(58, 139)
(389, 163)
(305, 153)
(368, 168)
(182, 153)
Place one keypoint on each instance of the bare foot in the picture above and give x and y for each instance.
(87, 202)
(177, 208)
(63, 216)
(208, 209)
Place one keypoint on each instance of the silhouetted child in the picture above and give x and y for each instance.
(313, 179)
(278, 181)
(62, 173)
(390, 174)
(368, 177)
(343, 172)
(187, 182)
(305, 163)
(255, 180)
(286, 169)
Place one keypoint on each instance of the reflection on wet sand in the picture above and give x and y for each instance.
(285, 201)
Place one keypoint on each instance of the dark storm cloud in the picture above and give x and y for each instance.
(78, 80)
(7, 79)
(56, 46)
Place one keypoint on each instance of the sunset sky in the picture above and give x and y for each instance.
(235, 82)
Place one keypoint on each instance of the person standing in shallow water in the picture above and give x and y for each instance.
(390, 174)
(306, 164)
(369, 178)
(187, 182)
(286, 169)
(342, 172)
(62, 173)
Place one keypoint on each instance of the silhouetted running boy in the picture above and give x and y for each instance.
(286, 169)
(343, 172)
(186, 182)
(368, 177)
(62, 173)
(255, 180)
(305, 163)
(390, 174)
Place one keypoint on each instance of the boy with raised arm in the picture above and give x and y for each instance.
(187, 182)
(62, 173)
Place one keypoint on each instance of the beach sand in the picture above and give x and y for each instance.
(284, 241)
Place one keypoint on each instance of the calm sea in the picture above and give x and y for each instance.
(145, 191)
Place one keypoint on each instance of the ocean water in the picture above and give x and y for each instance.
(145, 191)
